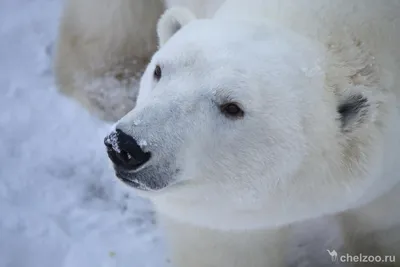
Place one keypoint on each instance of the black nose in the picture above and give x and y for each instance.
(124, 151)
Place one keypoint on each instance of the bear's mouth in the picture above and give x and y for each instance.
(145, 180)
(124, 177)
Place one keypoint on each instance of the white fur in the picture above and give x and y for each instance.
(104, 46)
(238, 188)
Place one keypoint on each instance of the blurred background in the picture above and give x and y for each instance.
(60, 205)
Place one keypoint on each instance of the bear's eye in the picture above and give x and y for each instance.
(232, 110)
(157, 73)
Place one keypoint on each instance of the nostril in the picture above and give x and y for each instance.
(124, 156)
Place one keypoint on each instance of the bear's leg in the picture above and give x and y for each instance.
(374, 229)
(102, 49)
(200, 247)
(389, 245)
(373, 248)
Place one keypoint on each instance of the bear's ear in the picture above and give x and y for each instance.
(172, 21)
(354, 111)
(355, 78)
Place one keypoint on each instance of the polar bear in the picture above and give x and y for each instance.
(103, 47)
(266, 116)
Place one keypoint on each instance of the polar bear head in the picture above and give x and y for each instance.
(238, 125)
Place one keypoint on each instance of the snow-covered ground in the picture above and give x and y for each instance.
(59, 203)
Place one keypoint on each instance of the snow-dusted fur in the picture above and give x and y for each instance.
(103, 47)
(318, 82)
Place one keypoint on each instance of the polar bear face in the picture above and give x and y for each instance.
(227, 113)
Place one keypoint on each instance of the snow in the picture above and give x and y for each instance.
(60, 204)
(142, 144)
(113, 141)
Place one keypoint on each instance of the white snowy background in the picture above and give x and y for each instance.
(59, 203)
